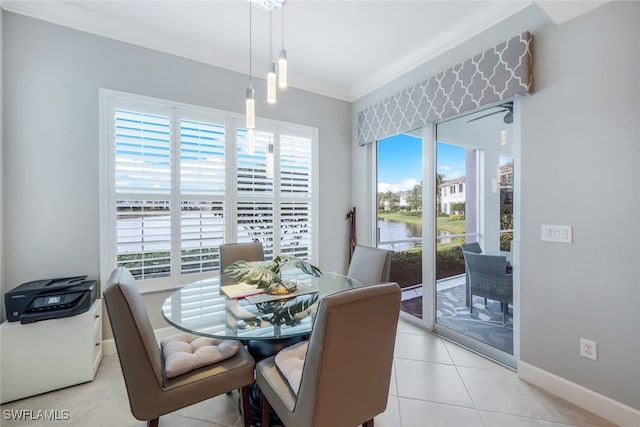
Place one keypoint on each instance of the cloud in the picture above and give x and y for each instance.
(450, 171)
(406, 185)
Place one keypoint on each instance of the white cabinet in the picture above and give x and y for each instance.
(51, 354)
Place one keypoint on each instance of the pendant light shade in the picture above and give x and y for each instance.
(269, 162)
(282, 69)
(271, 84)
(251, 142)
(274, 80)
(271, 74)
(250, 104)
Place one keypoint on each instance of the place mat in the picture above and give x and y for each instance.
(302, 289)
(240, 290)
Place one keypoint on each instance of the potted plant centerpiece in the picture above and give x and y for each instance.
(268, 274)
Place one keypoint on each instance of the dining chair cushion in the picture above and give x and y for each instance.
(290, 362)
(185, 352)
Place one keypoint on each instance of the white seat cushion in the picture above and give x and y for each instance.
(185, 352)
(290, 362)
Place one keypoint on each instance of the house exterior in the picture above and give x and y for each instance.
(453, 191)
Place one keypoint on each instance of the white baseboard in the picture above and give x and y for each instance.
(109, 346)
(597, 403)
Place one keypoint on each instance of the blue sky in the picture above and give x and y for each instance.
(400, 162)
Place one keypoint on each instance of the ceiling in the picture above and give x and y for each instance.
(322, 38)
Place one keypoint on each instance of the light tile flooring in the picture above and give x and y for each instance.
(434, 383)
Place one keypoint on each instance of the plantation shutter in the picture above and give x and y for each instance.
(252, 168)
(295, 165)
(142, 153)
(202, 168)
(176, 184)
(202, 188)
(255, 224)
(254, 208)
(295, 226)
(202, 233)
(295, 188)
(143, 170)
(143, 237)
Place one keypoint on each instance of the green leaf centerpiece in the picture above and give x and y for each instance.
(268, 274)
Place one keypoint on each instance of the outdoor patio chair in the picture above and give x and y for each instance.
(471, 247)
(476, 249)
(488, 278)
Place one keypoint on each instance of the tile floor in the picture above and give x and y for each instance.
(434, 383)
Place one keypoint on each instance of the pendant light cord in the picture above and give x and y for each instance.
(250, 26)
(270, 37)
(282, 22)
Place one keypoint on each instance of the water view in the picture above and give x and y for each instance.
(397, 233)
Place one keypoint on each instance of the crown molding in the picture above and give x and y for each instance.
(71, 16)
(463, 31)
(562, 11)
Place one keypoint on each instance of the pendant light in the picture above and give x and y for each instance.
(282, 60)
(271, 75)
(251, 141)
(250, 100)
(269, 162)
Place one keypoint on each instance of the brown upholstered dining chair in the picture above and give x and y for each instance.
(370, 265)
(345, 375)
(153, 389)
(231, 252)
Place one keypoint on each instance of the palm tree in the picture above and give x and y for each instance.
(415, 198)
(439, 181)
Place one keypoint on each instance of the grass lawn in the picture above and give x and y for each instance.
(399, 216)
(443, 223)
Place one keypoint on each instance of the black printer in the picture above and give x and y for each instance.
(50, 299)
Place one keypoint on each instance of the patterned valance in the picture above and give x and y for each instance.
(499, 73)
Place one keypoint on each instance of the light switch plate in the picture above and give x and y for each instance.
(557, 233)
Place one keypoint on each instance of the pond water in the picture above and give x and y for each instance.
(398, 230)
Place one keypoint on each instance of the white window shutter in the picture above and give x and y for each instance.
(142, 153)
(202, 233)
(143, 237)
(173, 197)
(202, 161)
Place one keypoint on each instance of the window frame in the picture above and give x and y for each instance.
(109, 100)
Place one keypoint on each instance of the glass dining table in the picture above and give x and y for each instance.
(266, 324)
(203, 309)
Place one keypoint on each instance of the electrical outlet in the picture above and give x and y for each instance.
(588, 349)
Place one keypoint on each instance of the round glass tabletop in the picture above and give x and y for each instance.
(202, 308)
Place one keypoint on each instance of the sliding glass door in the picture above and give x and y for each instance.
(399, 213)
(462, 174)
(473, 294)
